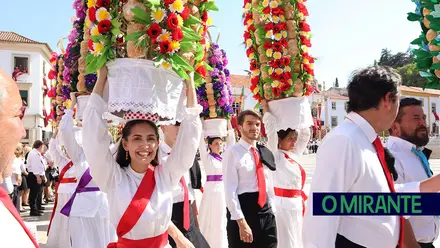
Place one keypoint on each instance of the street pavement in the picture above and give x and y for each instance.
(308, 162)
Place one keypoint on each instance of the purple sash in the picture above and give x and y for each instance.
(81, 188)
(216, 156)
(214, 178)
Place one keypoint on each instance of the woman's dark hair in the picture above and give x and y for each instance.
(282, 134)
(121, 157)
(211, 140)
(368, 86)
(37, 144)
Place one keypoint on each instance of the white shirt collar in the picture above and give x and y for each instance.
(244, 144)
(401, 143)
(363, 124)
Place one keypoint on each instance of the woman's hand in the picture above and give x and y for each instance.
(184, 243)
(101, 82)
(265, 105)
(73, 98)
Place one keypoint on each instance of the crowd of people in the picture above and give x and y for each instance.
(140, 192)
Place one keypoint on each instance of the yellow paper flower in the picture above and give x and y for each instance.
(276, 19)
(91, 3)
(177, 6)
(97, 48)
(164, 36)
(270, 71)
(158, 15)
(269, 34)
(284, 34)
(275, 83)
(304, 48)
(265, 3)
(278, 71)
(288, 68)
(255, 73)
(269, 53)
(208, 46)
(251, 56)
(166, 65)
(94, 30)
(250, 22)
(256, 90)
(311, 66)
(273, 4)
(249, 43)
(285, 51)
(282, 18)
(174, 46)
(209, 21)
(180, 19)
(266, 16)
(247, 7)
(87, 23)
(305, 61)
(290, 81)
(103, 14)
(300, 15)
(278, 36)
(277, 55)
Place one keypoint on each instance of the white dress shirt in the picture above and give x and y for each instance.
(35, 163)
(240, 176)
(12, 233)
(121, 184)
(410, 169)
(347, 162)
(178, 192)
(16, 169)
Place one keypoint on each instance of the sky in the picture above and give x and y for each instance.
(347, 34)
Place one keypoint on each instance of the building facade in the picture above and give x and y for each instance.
(27, 61)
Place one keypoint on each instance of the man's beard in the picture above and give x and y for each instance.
(251, 136)
(414, 138)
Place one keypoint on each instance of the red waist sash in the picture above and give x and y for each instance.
(68, 180)
(292, 193)
(153, 242)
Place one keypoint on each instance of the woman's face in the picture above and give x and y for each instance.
(216, 146)
(141, 144)
(288, 143)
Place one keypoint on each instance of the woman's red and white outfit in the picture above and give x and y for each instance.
(288, 181)
(140, 203)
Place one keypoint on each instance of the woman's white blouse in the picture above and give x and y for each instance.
(121, 184)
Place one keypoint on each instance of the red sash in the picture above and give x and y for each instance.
(6, 200)
(60, 180)
(295, 193)
(134, 212)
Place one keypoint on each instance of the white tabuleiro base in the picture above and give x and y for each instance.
(81, 106)
(293, 112)
(136, 85)
(215, 128)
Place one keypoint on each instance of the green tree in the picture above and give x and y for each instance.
(410, 75)
(337, 83)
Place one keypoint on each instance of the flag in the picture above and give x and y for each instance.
(241, 99)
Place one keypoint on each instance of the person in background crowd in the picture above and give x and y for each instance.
(13, 232)
(16, 178)
(24, 189)
(248, 188)
(409, 135)
(51, 174)
(36, 178)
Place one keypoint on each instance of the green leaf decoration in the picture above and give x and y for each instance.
(154, 2)
(134, 36)
(190, 35)
(207, 66)
(421, 53)
(209, 6)
(116, 23)
(141, 16)
(179, 61)
(198, 80)
(435, 66)
(425, 74)
(187, 46)
(200, 53)
(96, 38)
(192, 20)
(181, 72)
(412, 17)
(416, 41)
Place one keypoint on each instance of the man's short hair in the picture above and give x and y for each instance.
(37, 144)
(369, 86)
(404, 102)
(243, 114)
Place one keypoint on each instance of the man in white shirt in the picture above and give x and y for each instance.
(409, 135)
(248, 191)
(36, 178)
(352, 159)
(13, 232)
(184, 216)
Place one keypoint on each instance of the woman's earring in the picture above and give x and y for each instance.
(126, 155)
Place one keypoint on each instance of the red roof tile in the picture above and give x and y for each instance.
(240, 81)
(16, 38)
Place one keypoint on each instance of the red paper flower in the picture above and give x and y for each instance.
(154, 31)
(51, 93)
(177, 34)
(104, 26)
(201, 70)
(254, 65)
(246, 35)
(257, 97)
(286, 61)
(92, 14)
(246, 2)
(267, 45)
(286, 76)
(276, 91)
(285, 87)
(52, 75)
(266, 10)
(277, 11)
(305, 41)
(90, 44)
(255, 81)
(249, 51)
(268, 27)
(303, 26)
(205, 16)
(284, 42)
(251, 27)
(167, 2)
(103, 3)
(303, 9)
(275, 76)
(165, 47)
(277, 47)
(172, 21)
(282, 26)
(185, 13)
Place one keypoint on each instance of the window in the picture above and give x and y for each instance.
(21, 64)
(25, 96)
(236, 106)
(27, 134)
(334, 105)
(334, 121)
(434, 107)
